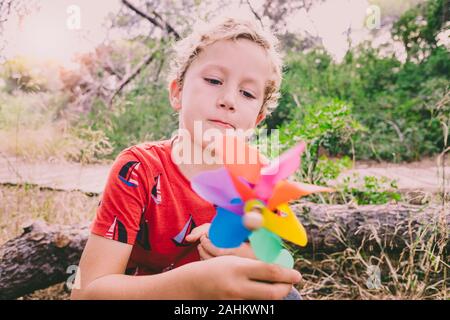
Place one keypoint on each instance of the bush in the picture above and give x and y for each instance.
(21, 74)
(143, 114)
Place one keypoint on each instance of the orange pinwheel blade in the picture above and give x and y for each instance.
(240, 159)
(244, 191)
(285, 191)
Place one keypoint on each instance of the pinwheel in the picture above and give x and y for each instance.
(238, 188)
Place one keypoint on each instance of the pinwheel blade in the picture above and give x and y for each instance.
(279, 169)
(285, 225)
(265, 245)
(241, 159)
(285, 259)
(244, 190)
(227, 230)
(216, 186)
(285, 191)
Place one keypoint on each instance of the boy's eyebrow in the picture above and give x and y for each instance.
(225, 70)
(217, 66)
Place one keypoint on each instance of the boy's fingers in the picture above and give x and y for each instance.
(204, 255)
(196, 233)
(262, 271)
(192, 237)
(246, 251)
(212, 249)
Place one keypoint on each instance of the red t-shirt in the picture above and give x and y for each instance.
(148, 203)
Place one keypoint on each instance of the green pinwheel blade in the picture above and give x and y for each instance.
(285, 259)
(266, 245)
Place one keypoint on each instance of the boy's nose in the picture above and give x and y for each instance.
(226, 102)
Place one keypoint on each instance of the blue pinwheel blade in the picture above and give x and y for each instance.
(227, 230)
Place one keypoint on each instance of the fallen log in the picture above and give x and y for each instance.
(40, 257)
(43, 254)
(389, 228)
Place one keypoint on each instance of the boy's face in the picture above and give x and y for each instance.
(223, 87)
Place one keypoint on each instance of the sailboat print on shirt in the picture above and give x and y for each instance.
(117, 231)
(180, 238)
(128, 174)
(156, 190)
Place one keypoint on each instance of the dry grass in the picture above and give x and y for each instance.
(56, 292)
(35, 127)
(55, 141)
(420, 271)
(19, 204)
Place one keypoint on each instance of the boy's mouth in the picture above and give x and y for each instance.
(222, 123)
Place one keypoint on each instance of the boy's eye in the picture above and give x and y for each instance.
(248, 95)
(213, 81)
(218, 82)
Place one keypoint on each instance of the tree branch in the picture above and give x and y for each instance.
(127, 79)
(161, 24)
(255, 13)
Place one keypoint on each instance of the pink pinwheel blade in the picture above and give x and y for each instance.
(217, 187)
(279, 169)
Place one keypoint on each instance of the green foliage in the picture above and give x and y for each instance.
(329, 169)
(392, 100)
(328, 124)
(143, 114)
(353, 189)
(373, 191)
(31, 127)
(418, 27)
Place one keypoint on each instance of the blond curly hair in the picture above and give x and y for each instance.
(229, 28)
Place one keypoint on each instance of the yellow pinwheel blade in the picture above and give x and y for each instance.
(286, 226)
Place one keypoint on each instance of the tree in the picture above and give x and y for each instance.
(418, 28)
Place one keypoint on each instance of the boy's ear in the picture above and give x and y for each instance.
(175, 95)
(261, 117)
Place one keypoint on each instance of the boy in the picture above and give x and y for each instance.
(224, 76)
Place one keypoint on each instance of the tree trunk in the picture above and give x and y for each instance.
(42, 255)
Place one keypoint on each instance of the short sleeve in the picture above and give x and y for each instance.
(123, 201)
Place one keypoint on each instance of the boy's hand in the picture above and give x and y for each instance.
(252, 221)
(230, 277)
(198, 232)
(207, 250)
